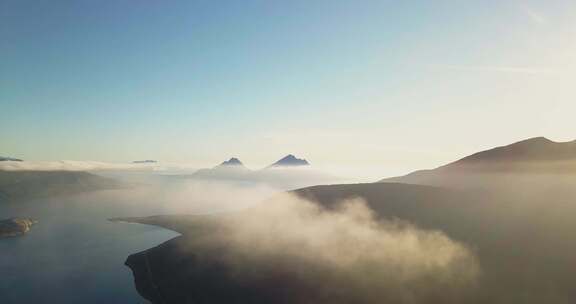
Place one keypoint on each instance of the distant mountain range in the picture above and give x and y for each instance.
(2, 158)
(288, 172)
(234, 168)
(147, 161)
(529, 159)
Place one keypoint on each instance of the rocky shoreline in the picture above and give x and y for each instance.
(15, 227)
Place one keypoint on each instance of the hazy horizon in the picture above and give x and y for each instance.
(374, 87)
(367, 172)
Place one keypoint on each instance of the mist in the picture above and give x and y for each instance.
(291, 250)
(69, 165)
(75, 252)
(356, 243)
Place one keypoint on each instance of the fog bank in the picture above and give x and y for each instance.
(340, 256)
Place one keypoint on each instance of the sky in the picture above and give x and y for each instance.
(362, 87)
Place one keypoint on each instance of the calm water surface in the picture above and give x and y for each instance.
(74, 254)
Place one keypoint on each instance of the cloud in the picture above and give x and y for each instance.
(73, 165)
(338, 256)
(68, 165)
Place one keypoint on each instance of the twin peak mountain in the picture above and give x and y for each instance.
(287, 161)
(277, 173)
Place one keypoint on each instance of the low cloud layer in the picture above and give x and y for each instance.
(68, 165)
(74, 165)
(341, 256)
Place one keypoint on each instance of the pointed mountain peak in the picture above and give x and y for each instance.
(534, 141)
(232, 162)
(290, 161)
(532, 149)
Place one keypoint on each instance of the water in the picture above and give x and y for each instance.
(74, 254)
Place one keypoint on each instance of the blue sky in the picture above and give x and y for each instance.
(387, 85)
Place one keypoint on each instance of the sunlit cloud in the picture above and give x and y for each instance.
(72, 165)
(64, 165)
(348, 248)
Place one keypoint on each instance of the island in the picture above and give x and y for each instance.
(15, 227)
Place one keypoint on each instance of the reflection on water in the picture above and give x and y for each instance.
(74, 255)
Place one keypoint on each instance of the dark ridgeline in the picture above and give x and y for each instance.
(533, 160)
(513, 206)
(529, 150)
(146, 161)
(25, 185)
(2, 158)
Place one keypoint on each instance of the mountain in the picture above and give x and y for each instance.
(287, 173)
(232, 162)
(519, 227)
(523, 243)
(290, 161)
(146, 161)
(291, 172)
(9, 159)
(528, 161)
(24, 185)
(530, 150)
(167, 274)
(232, 169)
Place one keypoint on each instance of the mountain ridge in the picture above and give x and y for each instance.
(289, 172)
(533, 157)
(536, 148)
(3, 158)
